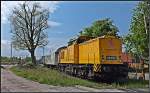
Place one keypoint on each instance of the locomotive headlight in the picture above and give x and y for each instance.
(102, 57)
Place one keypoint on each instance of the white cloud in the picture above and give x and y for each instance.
(7, 6)
(53, 23)
(5, 44)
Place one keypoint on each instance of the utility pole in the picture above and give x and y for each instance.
(43, 54)
(11, 51)
(147, 27)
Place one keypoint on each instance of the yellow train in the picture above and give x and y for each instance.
(91, 57)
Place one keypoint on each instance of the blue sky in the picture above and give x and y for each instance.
(70, 17)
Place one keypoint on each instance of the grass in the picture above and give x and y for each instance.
(132, 83)
(54, 77)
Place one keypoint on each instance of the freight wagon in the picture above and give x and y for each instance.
(52, 60)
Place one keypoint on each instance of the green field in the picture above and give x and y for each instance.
(54, 77)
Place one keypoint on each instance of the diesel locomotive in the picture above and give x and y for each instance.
(89, 57)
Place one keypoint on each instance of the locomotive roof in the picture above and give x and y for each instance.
(60, 48)
(83, 38)
(105, 36)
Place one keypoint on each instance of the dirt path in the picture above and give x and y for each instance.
(12, 83)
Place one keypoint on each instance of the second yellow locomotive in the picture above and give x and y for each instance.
(94, 57)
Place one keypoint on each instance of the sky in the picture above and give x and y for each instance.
(67, 19)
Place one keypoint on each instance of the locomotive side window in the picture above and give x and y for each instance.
(62, 55)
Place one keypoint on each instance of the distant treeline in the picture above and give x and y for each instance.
(14, 59)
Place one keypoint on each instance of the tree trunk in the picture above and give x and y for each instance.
(33, 57)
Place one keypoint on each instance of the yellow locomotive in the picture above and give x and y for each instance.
(93, 57)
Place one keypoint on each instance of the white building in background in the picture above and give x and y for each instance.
(146, 76)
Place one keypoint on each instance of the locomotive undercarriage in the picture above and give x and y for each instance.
(108, 73)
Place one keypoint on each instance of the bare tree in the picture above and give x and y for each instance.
(28, 23)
